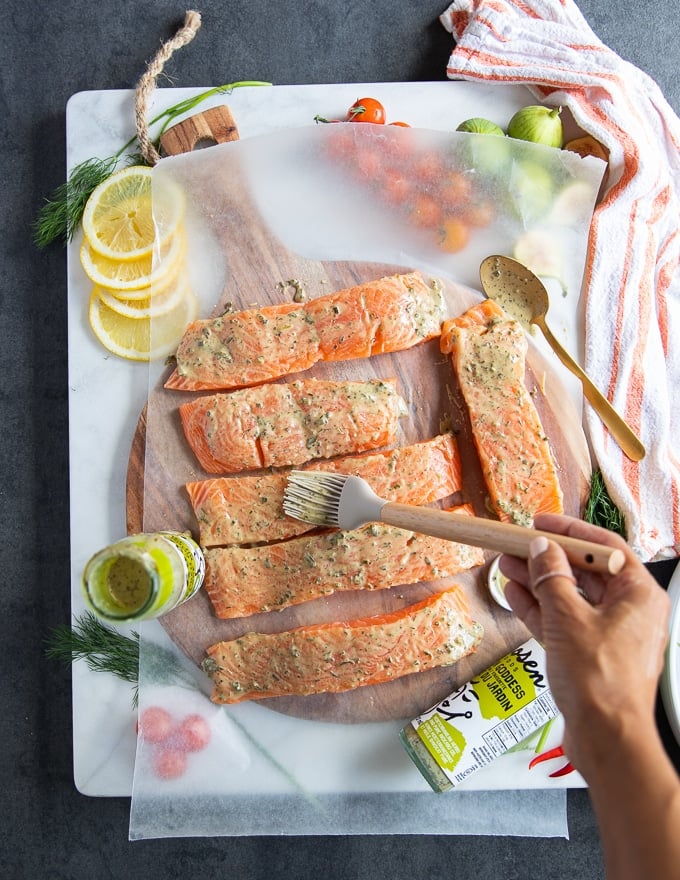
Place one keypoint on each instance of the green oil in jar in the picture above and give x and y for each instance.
(128, 582)
(143, 576)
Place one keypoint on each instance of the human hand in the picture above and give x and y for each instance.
(604, 636)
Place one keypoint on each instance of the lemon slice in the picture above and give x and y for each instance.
(141, 339)
(132, 278)
(151, 306)
(119, 221)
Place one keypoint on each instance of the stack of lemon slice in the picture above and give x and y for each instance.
(141, 300)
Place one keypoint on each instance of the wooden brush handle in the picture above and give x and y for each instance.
(501, 537)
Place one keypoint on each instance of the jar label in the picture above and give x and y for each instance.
(194, 561)
(488, 715)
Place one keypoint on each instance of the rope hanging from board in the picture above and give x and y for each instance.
(147, 83)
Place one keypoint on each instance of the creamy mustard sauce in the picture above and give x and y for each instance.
(517, 460)
(264, 343)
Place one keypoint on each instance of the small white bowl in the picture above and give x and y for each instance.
(497, 581)
(670, 678)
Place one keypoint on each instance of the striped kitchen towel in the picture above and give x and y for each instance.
(631, 285)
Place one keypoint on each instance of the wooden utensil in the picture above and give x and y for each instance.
(524, 297)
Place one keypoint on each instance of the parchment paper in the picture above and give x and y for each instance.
(264, 774)
(275, 774)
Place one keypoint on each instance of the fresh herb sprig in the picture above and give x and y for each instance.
(60, 216)
(105, 649)
(101, 647)
(600, 510)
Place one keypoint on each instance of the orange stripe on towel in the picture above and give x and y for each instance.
(667, 264)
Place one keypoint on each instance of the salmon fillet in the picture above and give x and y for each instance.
(243, 581)
(488, 351)
(280, 425)
(248, 510)
(256, 345)
(336, 657)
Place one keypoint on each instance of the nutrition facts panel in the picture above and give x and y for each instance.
(520, 725)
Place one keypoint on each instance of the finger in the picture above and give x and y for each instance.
(551, 577)
(525, 607)
(514, 568)
(578, 528)
(591, 584)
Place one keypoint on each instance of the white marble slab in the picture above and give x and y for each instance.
(106, 394)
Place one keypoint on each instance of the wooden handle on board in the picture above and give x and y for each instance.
(205, 129)
(499, 536)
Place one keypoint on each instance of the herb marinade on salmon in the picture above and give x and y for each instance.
(336, 657)
(249, 509)
(241, 581)
(286, 424)
(253, 346)
(488, 351)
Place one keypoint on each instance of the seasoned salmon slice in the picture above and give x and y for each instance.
(242, 581)
(286, 424)
(336, 657)
(249, 509)
(488, 351)
(256, 345)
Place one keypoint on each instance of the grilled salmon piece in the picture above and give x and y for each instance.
(488, 350)
(242, 581)
(280, 425)
(247, 510)
(253, 346)
(336, 657)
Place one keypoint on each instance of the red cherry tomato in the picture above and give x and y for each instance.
(170, 763)
(479, 213)
(367, 165)
(155, 724)
(453, 235)
(455, 189)
(366, 110)
(427, 167)
(395, 188)
(340, 144)
(193, 733)
(425, 211)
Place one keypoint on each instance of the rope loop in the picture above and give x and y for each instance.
(147, 83)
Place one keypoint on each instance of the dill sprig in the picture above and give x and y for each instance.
(600, 510)
(105, 649)
(60, 216)
(101, 647)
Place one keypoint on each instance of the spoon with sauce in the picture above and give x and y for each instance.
(522, 295)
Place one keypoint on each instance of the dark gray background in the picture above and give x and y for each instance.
(48, 51)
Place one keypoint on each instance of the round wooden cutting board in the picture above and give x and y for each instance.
(161, 462)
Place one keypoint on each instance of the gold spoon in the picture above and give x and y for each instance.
(522, 295)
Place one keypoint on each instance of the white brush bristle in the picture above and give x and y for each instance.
(313, 497)
(332, 500)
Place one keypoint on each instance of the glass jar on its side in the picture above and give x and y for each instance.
(143, 576)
